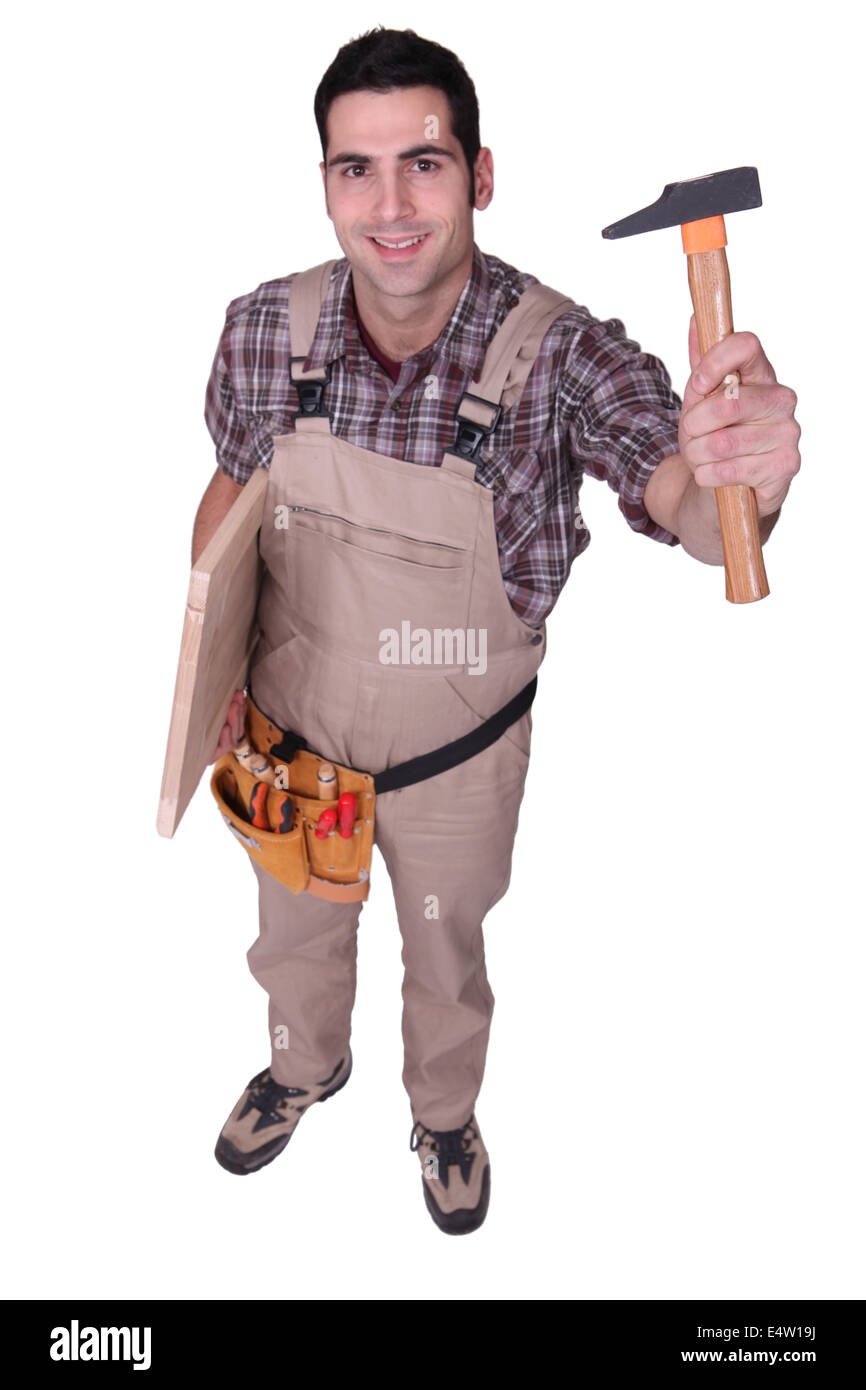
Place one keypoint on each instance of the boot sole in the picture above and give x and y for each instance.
(239, 1163)
(465, 1219)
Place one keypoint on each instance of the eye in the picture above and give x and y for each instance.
(355, 166)
(430, 162)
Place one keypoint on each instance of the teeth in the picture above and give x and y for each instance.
(398, 245)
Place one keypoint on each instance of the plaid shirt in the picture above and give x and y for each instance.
(593, 403)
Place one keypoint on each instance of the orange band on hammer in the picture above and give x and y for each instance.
(708, 234)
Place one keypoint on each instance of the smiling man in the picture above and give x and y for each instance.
(427, 413)
(402, 210)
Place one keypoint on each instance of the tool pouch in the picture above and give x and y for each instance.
(337, 867)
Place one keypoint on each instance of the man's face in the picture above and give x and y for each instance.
(394, 171)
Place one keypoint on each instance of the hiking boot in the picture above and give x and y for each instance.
(266, 1116)
(456, 1175)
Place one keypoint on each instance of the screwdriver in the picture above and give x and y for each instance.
(327, 821)
(259, 806)
(346, 813)
(283, 814)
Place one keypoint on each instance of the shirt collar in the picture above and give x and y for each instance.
(462, 341)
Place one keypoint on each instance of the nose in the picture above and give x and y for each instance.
(392, 200)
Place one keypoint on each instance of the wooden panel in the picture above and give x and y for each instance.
(219, 635)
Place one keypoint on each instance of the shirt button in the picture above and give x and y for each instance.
(395, 405)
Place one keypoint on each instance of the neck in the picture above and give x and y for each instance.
(401, 325)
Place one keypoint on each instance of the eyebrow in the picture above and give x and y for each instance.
(415, 153)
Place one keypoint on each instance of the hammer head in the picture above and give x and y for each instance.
(714, 195)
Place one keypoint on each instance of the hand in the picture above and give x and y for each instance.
(233, 729)
(745, 434)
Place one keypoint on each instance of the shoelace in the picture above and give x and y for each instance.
(269, 1096)
(450, 1145)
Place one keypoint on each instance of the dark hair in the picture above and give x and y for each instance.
(384, 59)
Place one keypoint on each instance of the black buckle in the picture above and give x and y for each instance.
(288, 746)
(470, 434)
(310, 392)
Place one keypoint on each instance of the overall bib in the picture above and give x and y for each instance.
(359, 547)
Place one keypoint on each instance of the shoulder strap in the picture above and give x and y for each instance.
(508, 361)
(307, 294)
(515, 345)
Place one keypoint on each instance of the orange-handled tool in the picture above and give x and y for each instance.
(258, 807)
(699, 206)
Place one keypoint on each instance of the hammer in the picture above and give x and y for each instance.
(698, 206)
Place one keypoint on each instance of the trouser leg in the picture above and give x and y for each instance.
(447, 843)
(305, 958)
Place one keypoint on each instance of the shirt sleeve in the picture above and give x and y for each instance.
(223, 419)
(624, 419)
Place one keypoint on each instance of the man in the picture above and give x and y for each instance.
(386, 526)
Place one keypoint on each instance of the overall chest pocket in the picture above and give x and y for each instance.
(352, 579)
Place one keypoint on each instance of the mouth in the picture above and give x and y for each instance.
(398, 248)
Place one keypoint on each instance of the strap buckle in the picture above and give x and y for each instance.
(310, 393)
(288, 746)
(469, 432)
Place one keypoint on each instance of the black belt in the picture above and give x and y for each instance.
(427, 764)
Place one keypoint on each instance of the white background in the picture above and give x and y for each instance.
(674, 1092)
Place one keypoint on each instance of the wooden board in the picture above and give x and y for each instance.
(219, 635)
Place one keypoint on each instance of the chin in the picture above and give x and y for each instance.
(412, 276)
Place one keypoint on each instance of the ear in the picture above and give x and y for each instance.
(483, 179)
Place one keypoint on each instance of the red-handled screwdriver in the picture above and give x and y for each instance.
(327, 821)
(346, 813)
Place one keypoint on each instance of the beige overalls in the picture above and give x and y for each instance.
(357, 546)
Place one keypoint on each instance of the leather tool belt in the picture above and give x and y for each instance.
(252, 790)
(335, 867)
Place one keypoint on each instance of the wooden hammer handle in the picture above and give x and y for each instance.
(745, 576)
